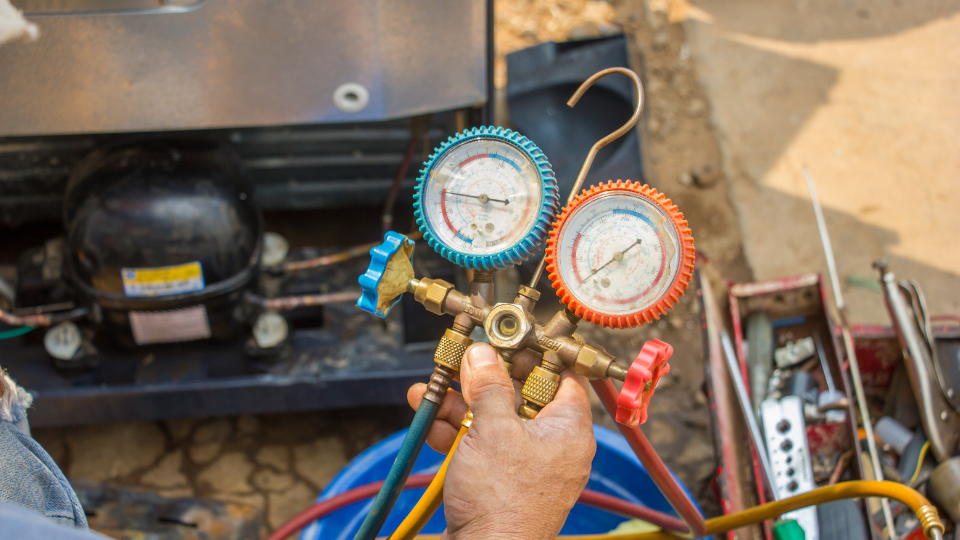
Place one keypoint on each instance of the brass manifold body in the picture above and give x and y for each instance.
(510, 328)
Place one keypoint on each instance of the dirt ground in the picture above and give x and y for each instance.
(734, 87)
(862, 92)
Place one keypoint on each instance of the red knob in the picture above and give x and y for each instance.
(641, 382)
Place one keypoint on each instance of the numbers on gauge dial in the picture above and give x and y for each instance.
(618, 253)
(482, 196)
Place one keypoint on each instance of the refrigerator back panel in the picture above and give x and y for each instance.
(120, 66)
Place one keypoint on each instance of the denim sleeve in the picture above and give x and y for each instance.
(28, 475)
(22, 524)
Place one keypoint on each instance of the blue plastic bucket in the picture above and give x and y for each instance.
(616, 471)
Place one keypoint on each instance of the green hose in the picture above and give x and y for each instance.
(393, 485)
(15, 332)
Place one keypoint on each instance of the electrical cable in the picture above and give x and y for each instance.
(409, 450)
(932, 526)
(431, 499)
(15, 332)
(923, 454)
(655, 467)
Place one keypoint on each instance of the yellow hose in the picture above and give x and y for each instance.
(932, 527)
(431, 499)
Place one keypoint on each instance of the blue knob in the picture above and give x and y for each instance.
(370, 281)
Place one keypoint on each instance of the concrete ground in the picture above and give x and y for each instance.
(865, 94)
(860, 91)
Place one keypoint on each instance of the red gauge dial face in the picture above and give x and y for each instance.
(618, 252)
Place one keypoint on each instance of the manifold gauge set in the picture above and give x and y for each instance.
(619, 255)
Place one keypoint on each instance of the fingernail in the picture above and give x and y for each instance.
(481, 355)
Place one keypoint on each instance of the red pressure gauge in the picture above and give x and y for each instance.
(620, 255)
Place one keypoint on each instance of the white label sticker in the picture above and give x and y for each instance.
(173, 326)
(162, 281)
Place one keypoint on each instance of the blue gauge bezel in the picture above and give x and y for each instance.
(527, 246)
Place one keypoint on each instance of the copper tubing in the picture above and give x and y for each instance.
(387, 218)
(43, 319)
(671, 489)
(287, 303)
(334, 258)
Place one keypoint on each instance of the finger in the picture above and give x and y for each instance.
(487, 388)
(572, 399)
(441, 436)
(452, 411)
(524, 362)
(517, 394)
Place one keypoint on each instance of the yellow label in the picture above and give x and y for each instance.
(162, 281)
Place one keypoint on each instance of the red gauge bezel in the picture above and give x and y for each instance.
(673, 292)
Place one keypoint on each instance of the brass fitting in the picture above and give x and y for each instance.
(538, 390)
(467, 420)
(507, 358)
(439, 384)
(451, 349)
(449, 357)
(527, 298)
(507, 327)
(430, 292)
(929, 520)
(593, 363)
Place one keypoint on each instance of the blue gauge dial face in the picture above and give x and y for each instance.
(482, 196)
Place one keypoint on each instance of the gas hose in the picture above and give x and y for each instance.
(857, 489)
(433, 497)
(400, 471)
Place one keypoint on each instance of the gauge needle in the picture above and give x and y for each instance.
(482, 197)
(617, 256)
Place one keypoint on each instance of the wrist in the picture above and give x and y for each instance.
(509, 527)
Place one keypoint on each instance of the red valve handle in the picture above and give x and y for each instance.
(641, 382)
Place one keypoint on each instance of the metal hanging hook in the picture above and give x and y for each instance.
(588, 162)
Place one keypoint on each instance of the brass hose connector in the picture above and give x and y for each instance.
(929, 520)
(449, 358)
(538, 390)
(430, 292)
(451, 349)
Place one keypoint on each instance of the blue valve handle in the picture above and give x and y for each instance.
(370, 280)
(527, 246)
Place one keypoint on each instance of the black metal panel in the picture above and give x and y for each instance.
(541, 79)
(290, 167)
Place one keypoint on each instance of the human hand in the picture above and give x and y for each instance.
(510, 478)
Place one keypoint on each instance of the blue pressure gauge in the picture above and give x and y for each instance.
(486, 198)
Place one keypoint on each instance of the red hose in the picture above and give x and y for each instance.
(651, 461)
(628, 509)
(346, 498)
(588, 497)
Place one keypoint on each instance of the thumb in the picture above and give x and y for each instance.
(487, 388)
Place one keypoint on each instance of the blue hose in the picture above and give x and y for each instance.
(412, 443)
(14, 332)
